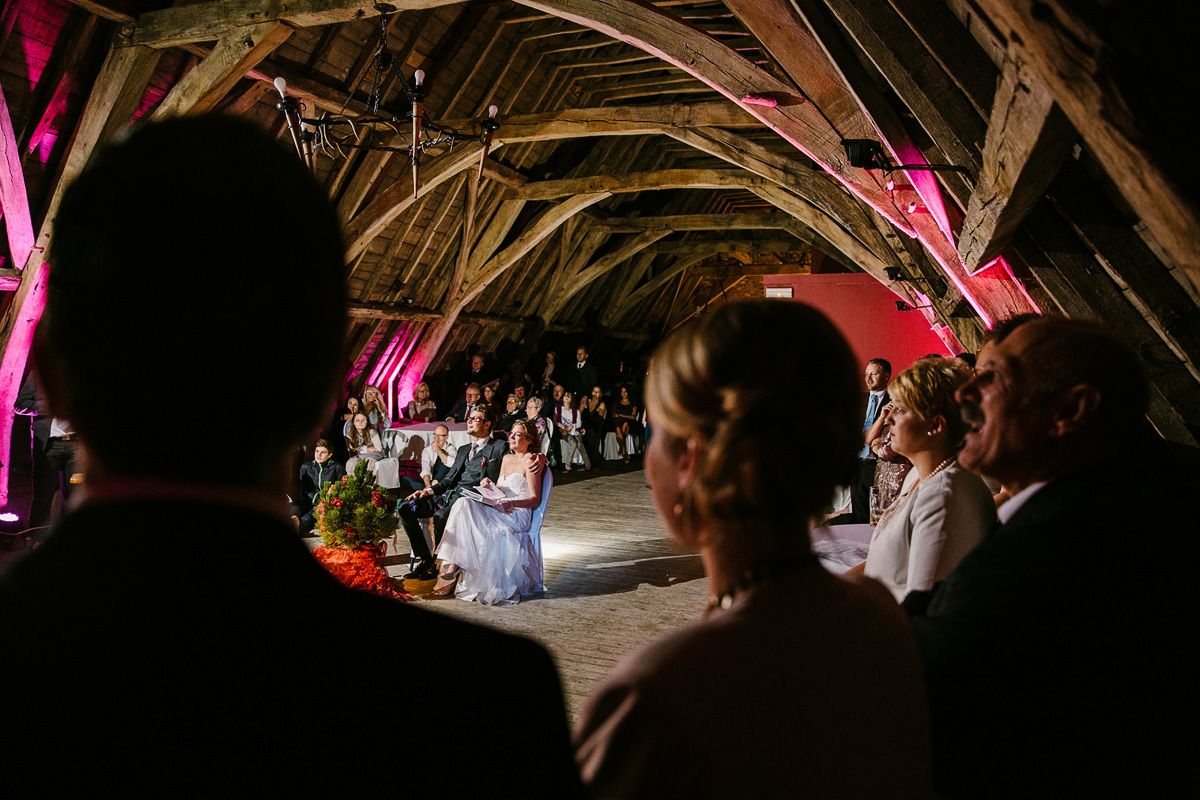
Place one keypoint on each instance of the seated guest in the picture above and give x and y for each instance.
(363, 443)
(812, 680)
(339, 429)
(421, 408)
(462, 409)
(375, 409)
(315, 475)
(489, 399)
(1055, 658)
(533, 414)
(486, 552)
(174, 631)
(438, 458)
(946, 511)
(624, 418)
(513, 411)
(570, 433)
(595, 416)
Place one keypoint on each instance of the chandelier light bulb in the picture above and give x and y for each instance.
(419, 77)
(281, 87)
(493, 111)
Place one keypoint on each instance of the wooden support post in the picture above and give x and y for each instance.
(121, 77)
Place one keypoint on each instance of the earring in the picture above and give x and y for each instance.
(929, 433)
(677, 509)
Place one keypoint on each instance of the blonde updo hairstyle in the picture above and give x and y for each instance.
(927, 389)
(772, 390)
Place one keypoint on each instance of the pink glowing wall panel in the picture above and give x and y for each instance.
(865, 312)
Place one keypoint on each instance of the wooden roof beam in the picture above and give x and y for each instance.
(1027, 141)
(235, 54)
(202, 22)
(764, 220)
(1072, 58)
(802, 125)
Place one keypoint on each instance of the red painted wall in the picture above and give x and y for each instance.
(865, 312)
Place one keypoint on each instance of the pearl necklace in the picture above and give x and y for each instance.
(903, 499)
(756, 575)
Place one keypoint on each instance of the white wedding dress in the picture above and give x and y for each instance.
(491, 548)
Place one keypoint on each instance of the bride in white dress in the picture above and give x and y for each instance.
(487, 551)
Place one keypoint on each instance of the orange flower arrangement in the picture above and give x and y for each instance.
(354, 521)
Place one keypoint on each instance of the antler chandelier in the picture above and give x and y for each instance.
(413, 134)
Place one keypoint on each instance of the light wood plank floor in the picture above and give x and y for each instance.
(614, 581)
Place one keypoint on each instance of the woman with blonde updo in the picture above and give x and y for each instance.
(943, 511)
(795, 683)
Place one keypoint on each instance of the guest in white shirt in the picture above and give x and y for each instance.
(943, 510)
(571, 431)
(438, 458)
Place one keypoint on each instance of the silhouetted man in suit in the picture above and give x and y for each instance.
(54, 453)
(1055, 654)
(173, 632)
(583, 376)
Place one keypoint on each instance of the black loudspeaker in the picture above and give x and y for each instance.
(865, 153)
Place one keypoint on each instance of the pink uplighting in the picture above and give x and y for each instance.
(37, 27)
(1004, 269)
(926, 186)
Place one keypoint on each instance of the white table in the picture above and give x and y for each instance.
(409, 442)
(633, 445)
(841, 547)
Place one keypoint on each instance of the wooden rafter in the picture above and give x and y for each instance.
(1027, 139)
(802, 125)
(213, 78)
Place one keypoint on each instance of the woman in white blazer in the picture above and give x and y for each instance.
(943, 511)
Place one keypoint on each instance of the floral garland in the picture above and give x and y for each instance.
(359, 569)
(354, 521)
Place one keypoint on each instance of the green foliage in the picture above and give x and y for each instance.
(353, 512)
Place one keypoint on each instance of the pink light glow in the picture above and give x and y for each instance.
(399, 364)
(926, 186)
(1005, 271)
(36, 28)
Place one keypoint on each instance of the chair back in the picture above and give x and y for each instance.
(535, 529)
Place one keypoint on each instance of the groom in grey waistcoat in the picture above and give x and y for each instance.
(472, 463)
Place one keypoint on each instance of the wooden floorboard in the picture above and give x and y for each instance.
(614, 581)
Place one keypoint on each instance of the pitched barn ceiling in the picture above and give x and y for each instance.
(652, 155)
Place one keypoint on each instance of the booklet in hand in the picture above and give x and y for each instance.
(488, 495)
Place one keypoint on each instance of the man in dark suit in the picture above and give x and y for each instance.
(877, 375)
(54, 453)
(583, 376)
(472, 463)
(468, 401)
(173, 633)
(1056, 658)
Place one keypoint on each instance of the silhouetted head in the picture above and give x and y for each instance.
(199, 257)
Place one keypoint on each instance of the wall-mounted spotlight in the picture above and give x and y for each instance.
(903, 306)
(869, 154)
(897, 274)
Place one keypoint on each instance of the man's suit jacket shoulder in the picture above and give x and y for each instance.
(234, 654)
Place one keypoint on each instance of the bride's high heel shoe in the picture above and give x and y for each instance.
(446, 583)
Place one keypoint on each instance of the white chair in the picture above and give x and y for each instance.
(535, 532)
(633, 446)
